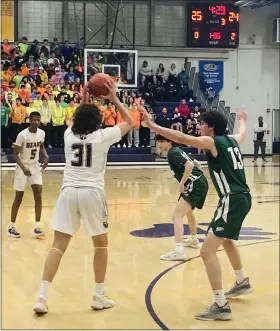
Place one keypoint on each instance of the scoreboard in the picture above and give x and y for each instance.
(212, 25)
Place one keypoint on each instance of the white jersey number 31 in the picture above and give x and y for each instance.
(83, 155)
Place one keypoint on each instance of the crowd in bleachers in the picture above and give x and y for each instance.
(49, 78)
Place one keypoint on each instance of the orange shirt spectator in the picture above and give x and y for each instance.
(6, 47)
(119, 118)
(18, 112)
(24, 70)
(110, 115)
(6, 78)
(135, 114)
(24, 94)
(42, 90)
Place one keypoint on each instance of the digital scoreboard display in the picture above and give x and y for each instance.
(212, 26)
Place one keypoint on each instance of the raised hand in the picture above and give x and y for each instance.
(241, 114)
(85, 95)
(112, 91)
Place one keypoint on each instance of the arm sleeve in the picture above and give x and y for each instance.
(112, 135)
(19, 140)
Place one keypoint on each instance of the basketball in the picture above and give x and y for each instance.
(96, 85)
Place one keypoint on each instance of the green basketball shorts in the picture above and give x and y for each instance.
(195, 193)
(230, 214)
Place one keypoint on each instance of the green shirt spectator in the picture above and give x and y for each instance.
(5, 111)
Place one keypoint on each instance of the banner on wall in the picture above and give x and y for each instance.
(211, 77)
(7, 20)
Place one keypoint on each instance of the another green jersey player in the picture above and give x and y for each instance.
(193, 188)
(227, 172)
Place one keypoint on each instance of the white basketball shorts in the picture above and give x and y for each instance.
(76, 203)
(21, 180)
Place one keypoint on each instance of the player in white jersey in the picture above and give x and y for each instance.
(27, 148)
(82, 195)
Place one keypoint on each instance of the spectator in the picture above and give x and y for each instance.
(12, 92)
(183, 77)
(46, 116)
(160, 73)
(58, 122)
(173, 73)
(34, 50)
(6, 77)
(53, 60)
(5, 112)
(67, 52)
(164, 119)
(110, 115)
(56, 49)
(70, 110)
(55, 79)
(44, 77)
(38, 103)
(260, 130)
(123, 141)
(177, 121)
(145, 73)
(197, 113)
(18, 114)
(45, 48)
(43, 61)
(134, 132)
(190, 128)
(184, 109)
(7, 48)
(64, 94)
(23, 46)
(18, 78)
(71, 76)
(144, 132)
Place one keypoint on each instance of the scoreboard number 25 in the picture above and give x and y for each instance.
(197, 15)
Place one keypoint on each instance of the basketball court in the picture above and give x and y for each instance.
(150, 294)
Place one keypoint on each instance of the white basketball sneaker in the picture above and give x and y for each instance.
(174, 256)
(40, 306)
(193, 243)
(102, 302)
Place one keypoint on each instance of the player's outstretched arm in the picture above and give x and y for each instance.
(241, 116)
(112, 96)
(177, 136)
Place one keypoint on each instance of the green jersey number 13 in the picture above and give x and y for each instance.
(236, 158)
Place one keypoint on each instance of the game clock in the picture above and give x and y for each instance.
(212, 26)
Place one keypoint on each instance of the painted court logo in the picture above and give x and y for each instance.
(164, 230)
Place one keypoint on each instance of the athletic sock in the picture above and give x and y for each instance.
(37, 225)
(219, 297)
(44, 288)
(239, 276)
(99, 288)
(194, 237)
(12, 225)
(179, 248)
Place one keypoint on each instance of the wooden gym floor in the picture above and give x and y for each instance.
(150, 294)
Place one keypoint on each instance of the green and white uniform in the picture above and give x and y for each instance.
(196, 187)
(228, 176)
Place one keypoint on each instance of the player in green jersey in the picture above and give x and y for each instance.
(227, 172)
(193, 189)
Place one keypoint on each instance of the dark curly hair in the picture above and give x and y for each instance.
(86, 119)
(215, 120)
